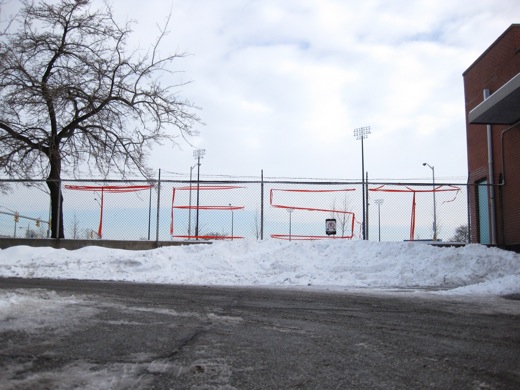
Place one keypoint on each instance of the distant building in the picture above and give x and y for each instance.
(492, 98)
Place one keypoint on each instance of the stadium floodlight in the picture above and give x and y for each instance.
(361, 133)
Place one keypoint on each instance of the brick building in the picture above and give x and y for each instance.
(492, 99)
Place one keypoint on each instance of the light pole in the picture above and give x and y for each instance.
(290, 211)
(362, 133)
(434, 203)
(189, 208)
(198, 154)
(379, 202)
(232, 221)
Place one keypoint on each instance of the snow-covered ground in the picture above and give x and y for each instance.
(472, 273)
(332, 265)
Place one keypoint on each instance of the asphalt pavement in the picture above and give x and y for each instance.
(110, 335)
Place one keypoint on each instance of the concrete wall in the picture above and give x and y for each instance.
(77, 244)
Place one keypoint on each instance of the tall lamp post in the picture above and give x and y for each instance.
(189, 208)
(362, 133)
(198, 154)
(434, 203)
(379, 202)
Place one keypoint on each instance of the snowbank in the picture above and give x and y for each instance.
(474, 269)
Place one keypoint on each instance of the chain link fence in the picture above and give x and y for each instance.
(231, 210)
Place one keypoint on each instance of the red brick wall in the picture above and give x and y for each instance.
(496, 66)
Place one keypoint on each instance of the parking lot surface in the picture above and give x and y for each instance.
(90, 335)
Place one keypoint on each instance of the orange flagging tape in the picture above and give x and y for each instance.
(288, 207)
(208, 237)
(440, 188)
(271, 193)
(202, 188)
(110, 189)
(301, 237)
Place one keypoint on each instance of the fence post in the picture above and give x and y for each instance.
(367, 208)
(49, 226)
(262, 206)
(468, 207)
(158, 207)
(149, 213)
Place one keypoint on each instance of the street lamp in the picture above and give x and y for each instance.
(362, 133)
(198, 154)
(290, 211)
(379, 202)
(434, 203)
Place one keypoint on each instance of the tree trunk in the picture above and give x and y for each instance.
(54, 184)
(56, 208)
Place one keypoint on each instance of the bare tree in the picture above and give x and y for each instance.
(74, 227)
(461, 234)
(343, 219)
(72, 97)
(4, 187)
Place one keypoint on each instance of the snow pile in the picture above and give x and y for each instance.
(334, 264)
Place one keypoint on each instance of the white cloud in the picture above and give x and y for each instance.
(281, 80)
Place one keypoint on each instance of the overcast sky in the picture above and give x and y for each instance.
(282, 84)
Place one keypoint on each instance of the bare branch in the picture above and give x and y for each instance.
(73, 98)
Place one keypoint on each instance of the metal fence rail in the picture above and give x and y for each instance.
(258, 209)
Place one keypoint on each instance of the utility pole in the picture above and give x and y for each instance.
(198, 154)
